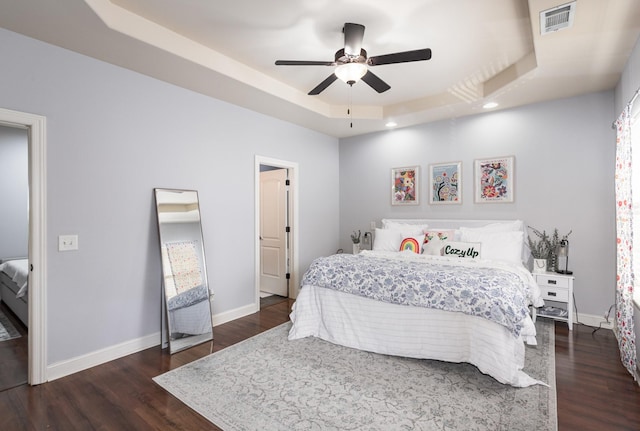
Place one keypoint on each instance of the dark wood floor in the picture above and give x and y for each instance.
(594, 391)
(13, 355)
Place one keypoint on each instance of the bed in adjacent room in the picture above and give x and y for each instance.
(448, 290)
(14, 277)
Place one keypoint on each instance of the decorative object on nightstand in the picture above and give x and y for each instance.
(557, 292)
(540, 250)
(562, 251)
(355, 239)
(547, 247)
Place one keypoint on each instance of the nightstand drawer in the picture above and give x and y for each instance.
(552, 281)
(554, 294)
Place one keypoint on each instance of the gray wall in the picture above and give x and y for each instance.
(112, 136)
(14, 192)
(629, 82)
(564, 156)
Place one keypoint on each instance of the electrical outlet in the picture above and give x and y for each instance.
(67, 242)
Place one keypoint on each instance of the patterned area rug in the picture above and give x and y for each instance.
(7, 330)
(269, 383)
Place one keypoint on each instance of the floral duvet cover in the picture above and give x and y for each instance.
(498, 291)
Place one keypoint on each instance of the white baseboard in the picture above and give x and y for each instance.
(228, 316)
(595, 321)
(80, 363)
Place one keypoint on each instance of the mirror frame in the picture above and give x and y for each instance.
(184, 340)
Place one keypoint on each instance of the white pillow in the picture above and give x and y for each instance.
(463, 250)
(387, 240)
(435, 239)
(505, 246)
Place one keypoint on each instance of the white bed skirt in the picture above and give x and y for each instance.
(391, 329)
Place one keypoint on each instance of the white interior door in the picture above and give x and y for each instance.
(273, 235)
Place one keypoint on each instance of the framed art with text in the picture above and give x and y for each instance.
(405, 185)
(445, 180)
(494, 180)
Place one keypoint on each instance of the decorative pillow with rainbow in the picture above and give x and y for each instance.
(413, 244)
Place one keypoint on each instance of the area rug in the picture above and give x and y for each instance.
(269, 383)
(7, 330)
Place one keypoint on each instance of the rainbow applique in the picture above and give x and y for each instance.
(410, 244)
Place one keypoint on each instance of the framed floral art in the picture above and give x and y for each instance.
(405, 185)
(494, 180)
(445, 183)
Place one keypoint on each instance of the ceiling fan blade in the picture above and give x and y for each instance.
(324, 84)
(400, 57)
(304, 63)
(353, 35)
(374, 82)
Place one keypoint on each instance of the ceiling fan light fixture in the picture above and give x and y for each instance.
(351, 72)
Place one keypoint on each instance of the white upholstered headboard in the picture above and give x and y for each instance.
(447, 223)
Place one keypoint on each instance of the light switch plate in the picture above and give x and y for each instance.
(67, 242)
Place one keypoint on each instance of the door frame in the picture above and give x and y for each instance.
(37, 293)
(292, 209)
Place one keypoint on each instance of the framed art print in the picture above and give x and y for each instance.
(445, 181)
(494, 180)
(404, 185)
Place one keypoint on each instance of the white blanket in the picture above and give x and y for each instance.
(18, 271)
(393, 329)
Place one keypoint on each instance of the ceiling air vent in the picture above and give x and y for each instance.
(557, 18)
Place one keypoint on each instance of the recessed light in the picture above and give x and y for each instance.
(489, 105)
(391, 124)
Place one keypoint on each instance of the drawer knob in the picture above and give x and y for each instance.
(552, 281)
(551, 293)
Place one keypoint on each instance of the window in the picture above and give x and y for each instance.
(635, 190)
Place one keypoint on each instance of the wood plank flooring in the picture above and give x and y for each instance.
(594, 391)
(13, 354)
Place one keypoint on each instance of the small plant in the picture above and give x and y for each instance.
(541, 247)
(545, 246)
(355, 237)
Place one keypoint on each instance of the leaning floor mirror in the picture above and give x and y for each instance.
(187, 306)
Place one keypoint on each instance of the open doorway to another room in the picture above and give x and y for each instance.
(14, 249)
(275, 228)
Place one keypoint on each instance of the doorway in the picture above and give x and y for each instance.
(276, 243)
(35, 125)
(14, 242)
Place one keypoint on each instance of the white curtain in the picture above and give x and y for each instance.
(624, 328)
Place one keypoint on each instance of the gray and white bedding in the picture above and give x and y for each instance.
(495, 291)
(14, 278)
(18, 271)
(188, 311)
(428, 306)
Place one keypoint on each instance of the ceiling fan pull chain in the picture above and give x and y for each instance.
(349, 109)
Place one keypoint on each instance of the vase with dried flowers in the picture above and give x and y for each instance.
(355, 239)
(544, 248)
(540, 249)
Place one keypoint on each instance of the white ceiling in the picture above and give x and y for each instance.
(483, 50)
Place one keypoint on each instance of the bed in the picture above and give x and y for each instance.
(455, 291)
(14, 276)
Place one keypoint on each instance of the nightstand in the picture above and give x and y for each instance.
(557, 292)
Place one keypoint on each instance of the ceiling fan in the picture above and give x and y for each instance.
(352, 62)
